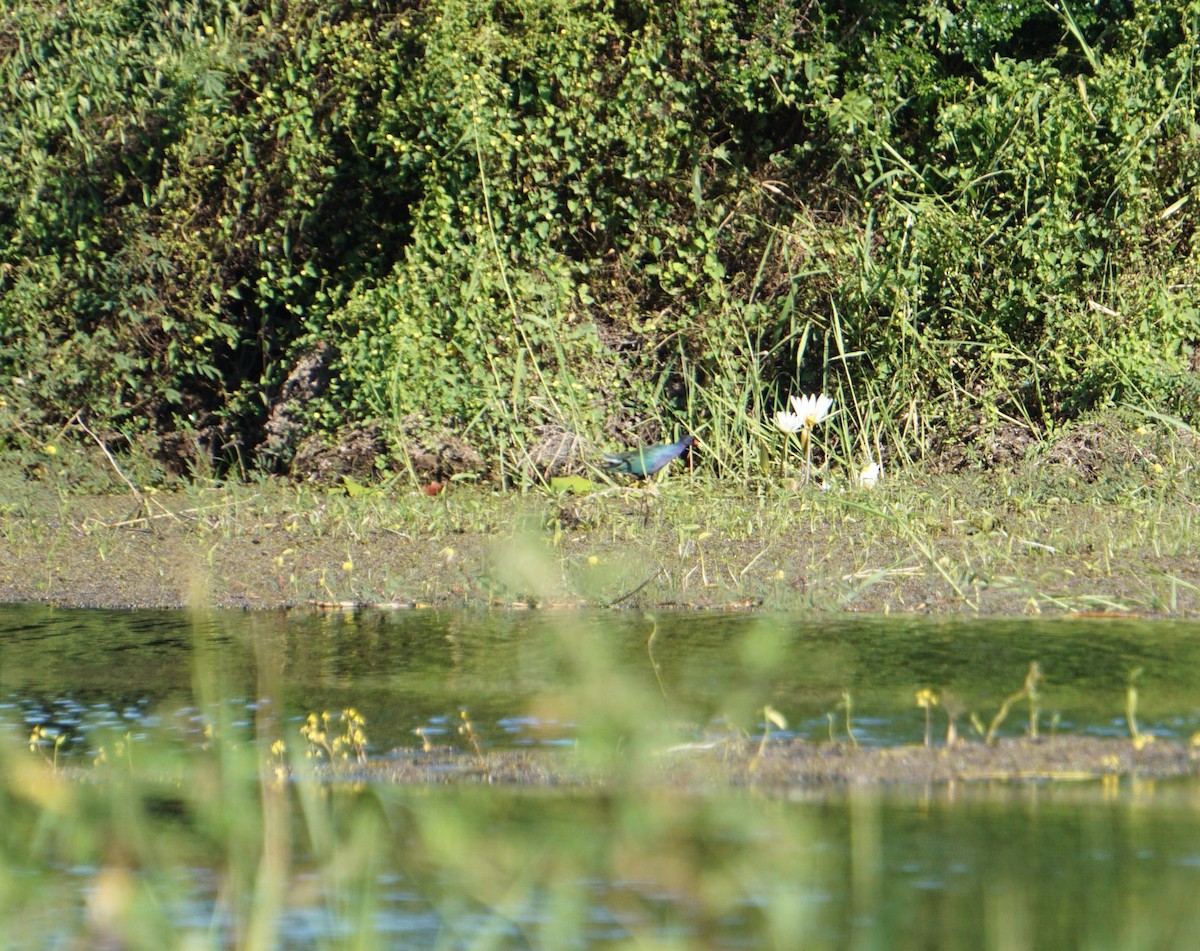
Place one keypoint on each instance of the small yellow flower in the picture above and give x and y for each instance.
(926, 698)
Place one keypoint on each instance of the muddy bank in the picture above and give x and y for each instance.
(800, 764)
(932, 545)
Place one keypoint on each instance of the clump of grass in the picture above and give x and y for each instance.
(997, 542)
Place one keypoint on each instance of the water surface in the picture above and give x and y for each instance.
(186, 838)
(405, 670)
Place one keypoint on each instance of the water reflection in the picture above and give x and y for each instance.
(999, 867)
(521, 674)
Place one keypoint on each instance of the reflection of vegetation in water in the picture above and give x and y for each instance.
(520, 676)
(230, 836)
(201, 842)
(208, 848)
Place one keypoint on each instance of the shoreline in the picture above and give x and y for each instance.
(940, 546)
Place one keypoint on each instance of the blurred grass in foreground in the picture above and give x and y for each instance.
(221, 839)
(209, 850)
(211, 840)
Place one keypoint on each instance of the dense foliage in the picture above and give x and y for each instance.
(610, 218)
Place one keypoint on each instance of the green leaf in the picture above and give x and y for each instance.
(357, 489)
(574, 484)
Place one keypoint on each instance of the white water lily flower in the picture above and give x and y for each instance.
(812, 409)
(809, 411)
(789, 422)
(869, 477)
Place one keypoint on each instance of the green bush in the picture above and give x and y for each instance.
(183, 189)
(620, 219)
(1026, 258)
